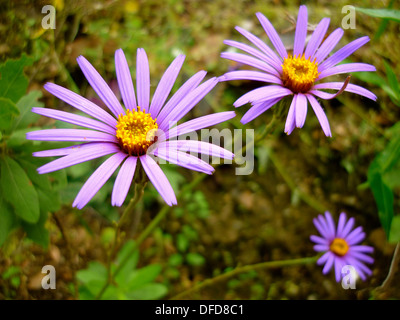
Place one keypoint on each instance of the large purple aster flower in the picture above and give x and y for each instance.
(132, 132)
(297, 73)
(341, 245)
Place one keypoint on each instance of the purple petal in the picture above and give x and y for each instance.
(267, 92)
(362, 257)
(324, 258)
(100, 86)
(258, 109)
(250, 61)
(184, 160)
(301, 109)
(362, 248)
(124, 79)
(301, 31)
(319, 240)
(317, 37)
(341, 224)
(197, 147)
(188, 102)
(346, 68)
(158, 179)
(250, 75)
(273, 35)
(200, 123)
(320, 224)
(165, 85)
(276, 64)
(328, 264)
(321, 247)
(328, 45)
(70, 135)
(356, 234)
(343, 53)
(262, 46)
(123, 181)
(98, 179)
(337, 86)
(347, 228)
(290, 120)
(89, 152)
(63, 151)
(339, 264)
(80, 103)
(142, 79)
(323, 120)
(74, 119)
(331, 224)
(184, 90)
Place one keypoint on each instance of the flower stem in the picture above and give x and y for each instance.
(247, 268)
(392, 270)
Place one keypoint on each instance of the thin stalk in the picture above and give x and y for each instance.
(247, 268)
(392, 270)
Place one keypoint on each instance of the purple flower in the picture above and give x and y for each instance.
(341, 246)
(297, 73)
(131, 133)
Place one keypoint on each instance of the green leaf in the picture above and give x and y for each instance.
(8, 111)
(394, 235)
(390, 14)
(38, 232)
(20, 192)
(130, 256)
(150, 291)
(140, 277)
(7, 220)
(13, 82)
(25, 104)
(39, 180)
(195, 259)
(384, 198)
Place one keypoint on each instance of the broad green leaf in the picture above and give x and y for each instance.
(17, 139)
(39, 180)
(392, 79)
(394, 235)
(195, 259)
(129, 256)
(13, 82)
(141, 277)
(25, 105)
(19, 190)
(384, 198)
(7, 220)
(38, 232)
(150, 291)
(94, 272)
(49, 200)
(390, 14)
(8, 111)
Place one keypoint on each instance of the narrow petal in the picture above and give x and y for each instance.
(98, 179)
(290, 120)
(341, 224)
(346, 68)
(100, 86)
(356, 234)
(321, 247)
(165, 85)
(184, 160)
(158, 179)
(267, 92)
(273, 35)
(319, 240)
(80, 103)
(328, 45)
(182, 92)
(317, 37)
(362, 257)
(70, 135)
(301, 31)
(320, 224)
(324, 258)
(301, 109)
(319, 112)
(362, 248)
(250, 61)
(89, 152)
(275, 63)
(343, 53)
(250, 75)
(63, 151)
(74, 119)
(347, 228)
(330, 224)
(338, 268)
(123, 181)
(197, 147)
(261, 45)
(337, 86)
(142, 79)
(329, 264)
(187, 103)
(200, 123)
(124, 79)
(258, 109)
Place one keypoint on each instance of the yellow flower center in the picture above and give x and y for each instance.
(136, 131)
(299, 73)
(339, 247)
